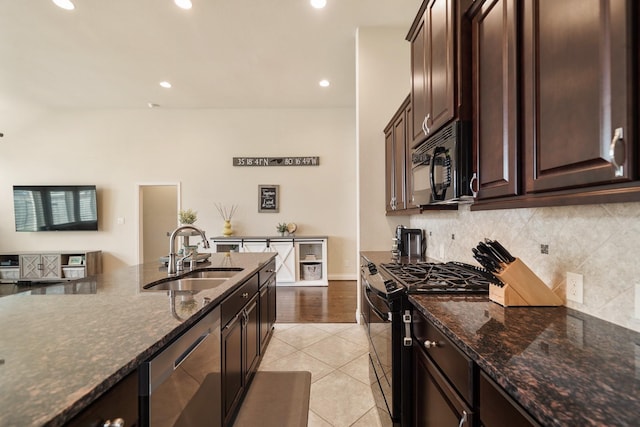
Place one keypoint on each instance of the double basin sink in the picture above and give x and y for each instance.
(196, 280)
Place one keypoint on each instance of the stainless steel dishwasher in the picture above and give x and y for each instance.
(181, 385)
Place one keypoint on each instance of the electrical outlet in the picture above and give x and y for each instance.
(574, 287)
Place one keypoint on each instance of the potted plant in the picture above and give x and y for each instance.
(187, 216)
(282, 228)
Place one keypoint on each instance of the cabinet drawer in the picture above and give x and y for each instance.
(234, 302)
(499, 410)
(453, 363)
(266, 272)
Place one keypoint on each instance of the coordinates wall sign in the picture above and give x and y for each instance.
(277, 161)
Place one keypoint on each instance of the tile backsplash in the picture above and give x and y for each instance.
(600, 242)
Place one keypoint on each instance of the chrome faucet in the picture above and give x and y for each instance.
(172, 267)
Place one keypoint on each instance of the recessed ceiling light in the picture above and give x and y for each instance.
(324, 83)
(318, 4)
(183, 4)
(64, 4)
(165, 85)
(152, 105)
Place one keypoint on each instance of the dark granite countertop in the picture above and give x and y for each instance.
(564, 367)
(64, 345)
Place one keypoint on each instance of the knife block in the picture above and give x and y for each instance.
(522, 287)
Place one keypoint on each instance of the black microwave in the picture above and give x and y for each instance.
(442, 167)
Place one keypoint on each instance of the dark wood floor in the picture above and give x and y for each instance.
(335, 303)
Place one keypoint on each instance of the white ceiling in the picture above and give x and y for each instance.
(220, 54)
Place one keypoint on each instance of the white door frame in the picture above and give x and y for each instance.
(139, 213)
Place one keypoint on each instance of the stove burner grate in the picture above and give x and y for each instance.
(451, 277)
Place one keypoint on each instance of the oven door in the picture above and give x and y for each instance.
(380, 355)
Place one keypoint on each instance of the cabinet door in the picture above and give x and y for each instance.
(272, 296)
(51, 266)
(577, 81)
(439, 57)
(390, 177)
(232, 366)
(496, 409)
(432, 69)
(285, 260)
(264, 317)
(418, 82)
(495, 88)
(399, 160)
(252, 336)
(30, 266)
(435, 404)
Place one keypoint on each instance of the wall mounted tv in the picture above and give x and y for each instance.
(55, 207)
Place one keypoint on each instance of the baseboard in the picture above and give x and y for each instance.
(343, 277)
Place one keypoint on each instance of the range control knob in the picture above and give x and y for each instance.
(390, 285)
(372, 268)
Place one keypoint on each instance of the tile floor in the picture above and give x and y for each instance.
(336, 354)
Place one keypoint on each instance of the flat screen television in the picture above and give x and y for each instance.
(55, 207)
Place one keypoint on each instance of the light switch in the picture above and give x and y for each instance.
(120, 220)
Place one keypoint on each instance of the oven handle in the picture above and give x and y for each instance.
(375, 309)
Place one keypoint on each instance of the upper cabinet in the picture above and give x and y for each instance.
(438, 67)
(577, 79)
(555, 102)
(495, 94)
(398, 160)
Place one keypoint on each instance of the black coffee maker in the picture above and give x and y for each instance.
(409, 242)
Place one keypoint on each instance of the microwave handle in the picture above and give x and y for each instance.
(474, 177)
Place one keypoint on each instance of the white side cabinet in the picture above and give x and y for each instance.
(285, 260)
(49, 266)
(300, 261)
(311, 262)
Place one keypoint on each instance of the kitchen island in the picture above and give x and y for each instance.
(62, 347)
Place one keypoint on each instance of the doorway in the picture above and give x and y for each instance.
(158, 207)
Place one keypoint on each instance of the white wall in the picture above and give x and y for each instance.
(383, 69)
(120, 149)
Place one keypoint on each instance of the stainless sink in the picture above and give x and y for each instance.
(196, 280)
(186, 284)
(213, 273)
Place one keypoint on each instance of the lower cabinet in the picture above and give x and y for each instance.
(449, 389)
(436, 402)
(443, 386)
(496, 409)
(247, 318)
(267, 279)
(120, 402)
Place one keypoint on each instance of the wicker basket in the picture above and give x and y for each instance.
(312, 271)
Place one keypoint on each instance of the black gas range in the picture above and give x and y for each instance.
(387, 318)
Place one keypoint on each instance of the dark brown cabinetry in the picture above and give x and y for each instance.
(495, 90)
(449, 388)
(496, 409)
(577, 91)
(398, 161)
(239, 344)
(268, 288)
(443, 378)
(556, 104)
(120, 402)
(439, 66)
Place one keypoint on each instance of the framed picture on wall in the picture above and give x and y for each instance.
(268, 198)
